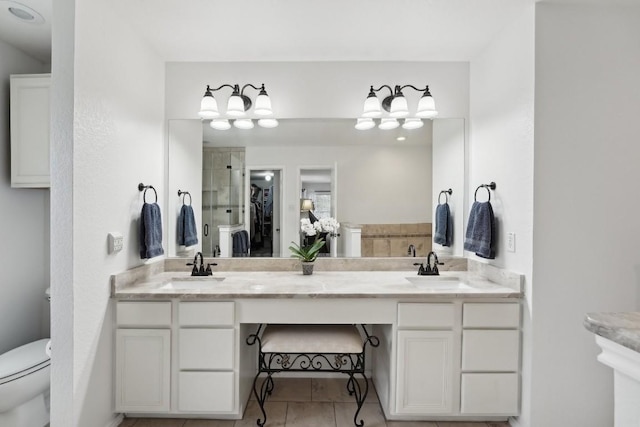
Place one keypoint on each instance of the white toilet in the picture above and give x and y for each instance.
(24, 385)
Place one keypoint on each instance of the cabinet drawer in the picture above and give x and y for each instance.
(490, 350)
(206, 348)
(206, 391)
(143, 313)
(505, 315)
(489, 394)
(415, 315)
(206, 314)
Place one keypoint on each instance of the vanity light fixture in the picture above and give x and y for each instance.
(243, 123)
(388, 123)
(365, 123)
(220, 124)
(238, 105)
(395, 104)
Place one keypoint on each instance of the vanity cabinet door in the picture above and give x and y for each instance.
(143, 370)
(425, 372)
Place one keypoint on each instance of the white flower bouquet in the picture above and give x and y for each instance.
(324, 225)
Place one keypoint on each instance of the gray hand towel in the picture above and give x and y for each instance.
(150, 231)
(444, 225)
(187, 232)
(240, 243)
(480, 236)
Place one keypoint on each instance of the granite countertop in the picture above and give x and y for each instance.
(621, 328)
(322, 284)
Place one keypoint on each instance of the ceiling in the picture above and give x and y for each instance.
(290, 30)
(31, 37)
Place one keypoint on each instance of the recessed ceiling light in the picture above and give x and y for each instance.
(401, 138)
(22, 12)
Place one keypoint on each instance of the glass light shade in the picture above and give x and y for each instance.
(412, 123)
(208, 107)
(243, 123)
(372, 107)
(365, 123)
(235, 106)
(263, 105)
(426, 107)
(399, 107)
(220, 124)
(268, 123)
(387, 123)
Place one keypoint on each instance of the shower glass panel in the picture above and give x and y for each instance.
(222, 193)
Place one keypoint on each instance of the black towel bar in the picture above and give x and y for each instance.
(491, 185)
(142, 187)
(447, 193)
(184, 194)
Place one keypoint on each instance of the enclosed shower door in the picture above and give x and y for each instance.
(222, 194)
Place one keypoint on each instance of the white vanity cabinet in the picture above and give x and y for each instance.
(458, 359)
(426, 358)
(489, 383)
(206, 342)
(30, 124)
(143, 362)
(180, 357)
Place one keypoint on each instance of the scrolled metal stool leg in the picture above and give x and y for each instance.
(359, 393)
(265, 389)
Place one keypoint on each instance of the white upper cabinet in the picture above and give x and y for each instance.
(30, 125)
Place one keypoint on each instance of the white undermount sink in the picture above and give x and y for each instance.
(192, 282)
(438, 282)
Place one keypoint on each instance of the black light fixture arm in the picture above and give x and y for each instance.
(261, 89)
(209, 90)
(372, 91)
(400, 89)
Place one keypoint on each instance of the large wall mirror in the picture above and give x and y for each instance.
(385, 181)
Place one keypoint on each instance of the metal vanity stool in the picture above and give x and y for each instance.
(311, 348)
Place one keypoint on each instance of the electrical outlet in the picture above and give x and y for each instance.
(115, 242)
(511, 242)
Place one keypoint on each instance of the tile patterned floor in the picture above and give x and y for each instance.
(306, 402)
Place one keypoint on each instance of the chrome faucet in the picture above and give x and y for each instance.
(411, 251)
(201, 270)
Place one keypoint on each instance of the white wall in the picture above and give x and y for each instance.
(24, 229)
(375, 185)
(318, 89)
(118, 141)
(501, 150)
(586, 202)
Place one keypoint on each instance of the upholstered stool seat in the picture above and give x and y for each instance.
(311, 339)
(317, 348)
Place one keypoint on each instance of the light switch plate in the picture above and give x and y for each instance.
(115, 242)
(511, 242)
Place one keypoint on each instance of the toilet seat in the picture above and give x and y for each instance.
(23, 361)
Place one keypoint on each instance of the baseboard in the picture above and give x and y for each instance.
(115, 422)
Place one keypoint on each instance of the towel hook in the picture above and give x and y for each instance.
(142, 187)
(447, 193)
(184, 194)
(491, 185)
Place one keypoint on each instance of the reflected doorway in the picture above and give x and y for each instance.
(317, 201)
(264, 212)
